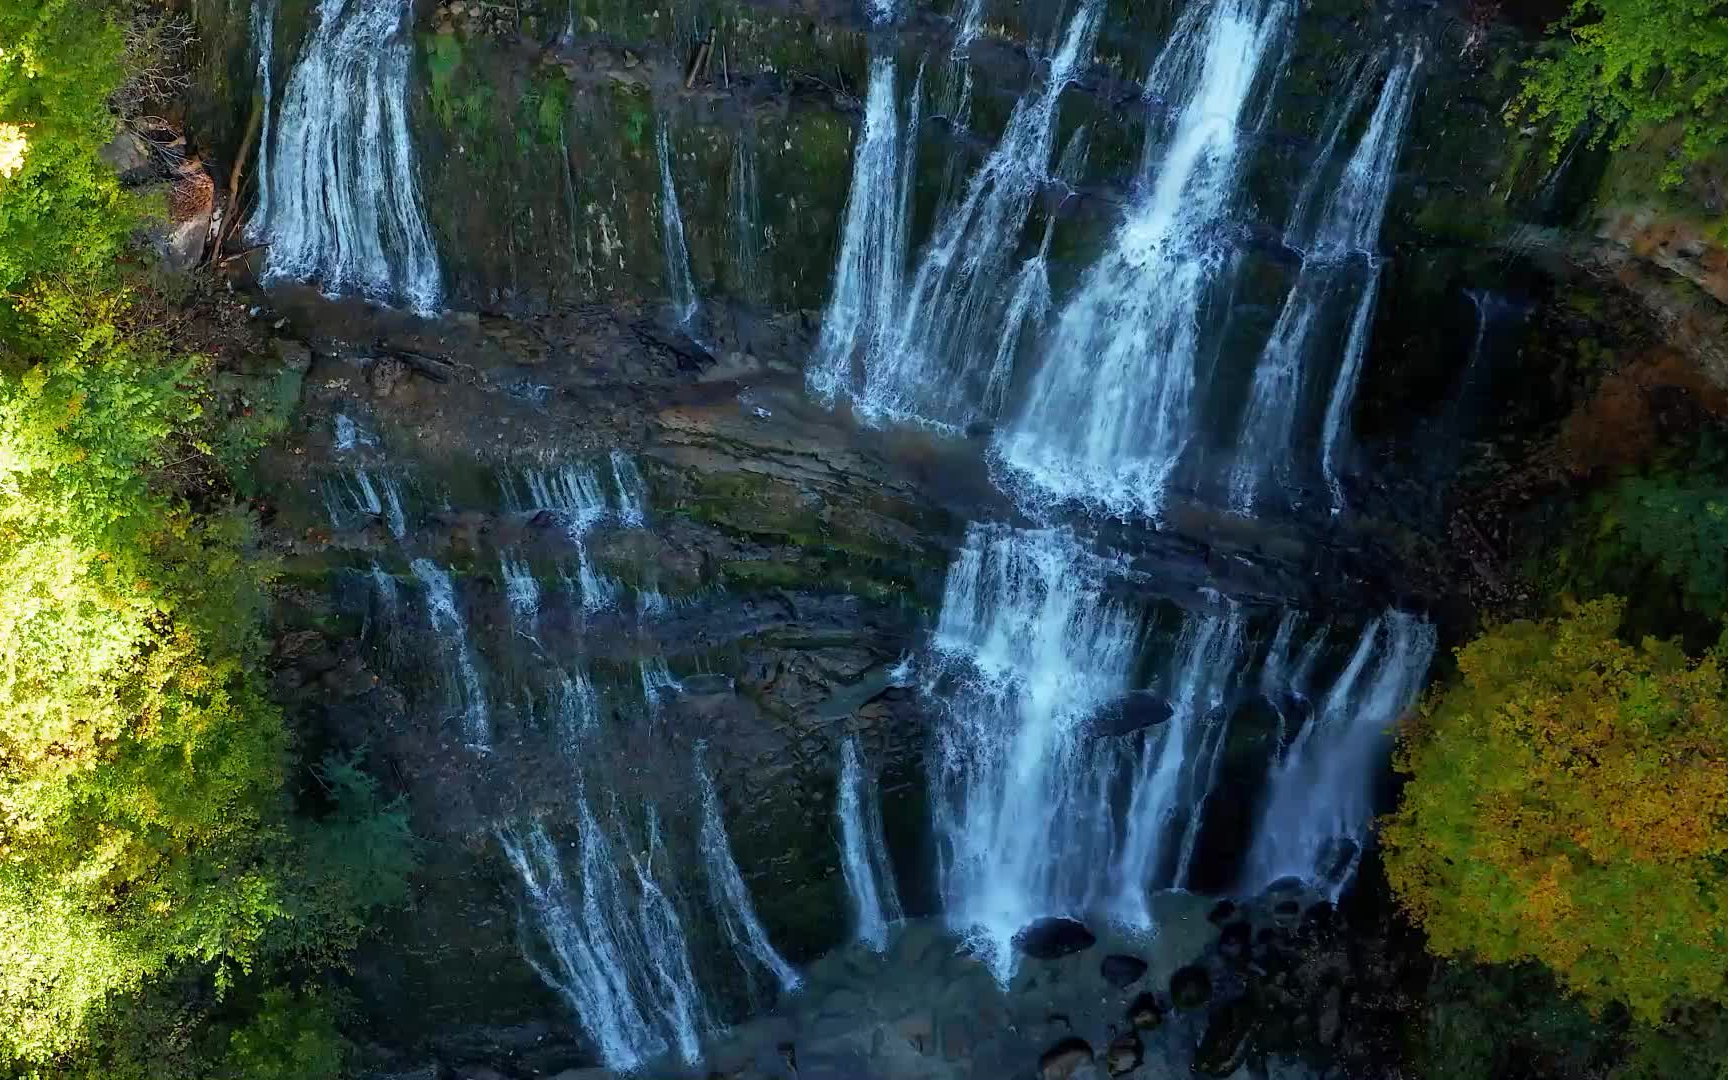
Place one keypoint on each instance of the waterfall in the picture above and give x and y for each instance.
(452, 631)
(678, 280)
(864, 853)
(731, 898)
(572, 492)
(1110, 410)
(934, 353)
(1348, 225)
(264, 41)
(632, 492)
(522, 590)
(970, 24)
(1320, 793)
(340, 203)
(658, 682)
(353, 497)
(1032, 649)
(577, 709)
(939, 361)
(620, 961)
(873, 236)
(745, 194)
(1178, 762)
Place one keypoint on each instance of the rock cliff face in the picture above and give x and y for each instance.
(749, 568)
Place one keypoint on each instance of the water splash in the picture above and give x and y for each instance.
(864, 853)
(731, 898)
(1347, 225)
(452, 631)
(658, 683)
(1031, 649)
(1110, 410)
(341, 200)
(621, 962)
(672, 243)
(1320, 803)
(572, 492)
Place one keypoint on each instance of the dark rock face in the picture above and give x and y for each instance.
(1064, 1059)
(1124, 1054)
(1122, 971)
(1225, 1045)
(1054, 938)
(1190, 987)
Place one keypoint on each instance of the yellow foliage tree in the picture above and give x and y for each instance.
(1568, 803)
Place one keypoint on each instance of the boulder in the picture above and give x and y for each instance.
(1064, 1059)
(1124, 1054)
(1133, 712)
(1190, 987)
(1053, 938)
(1224, 1046)
(1122, 971)
(1235, 940)
(1145, 1014)
(1221, 912)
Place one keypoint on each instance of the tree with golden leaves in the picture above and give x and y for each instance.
(1568, 803)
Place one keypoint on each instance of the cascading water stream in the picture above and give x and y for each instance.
(1026, 650)
(930, 352)
(679, 282)
(873, 237)
(1347, 227)
(1177, 764)
(620, 960)
(452, 631)
(864, 853)
(340, 200)
(1110, 410)
(731, 897)
(1319, 805)
(354, 497)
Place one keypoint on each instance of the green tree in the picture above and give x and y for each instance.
(1568, 803)
(1622, 68)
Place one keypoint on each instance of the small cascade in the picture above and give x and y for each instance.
(1031, 649)
(744, 193)
(873, 236)
(679, 282)
(1285, 677)
(1320, 794)
(864, 852)
(264, 44)
(340, 201)
(658, 683)
(354, 497)
(452, 630)
(969, 22)
(632, 492)
(732, 902)
(572, 492)
(1110, 411)
(388, 598)
(522, 590)
(617, 955)
(940, 360)
(1178, 764)
(1343, 395)
(576, 708)
(598, 591)
(1346, 226)
(348, 435)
